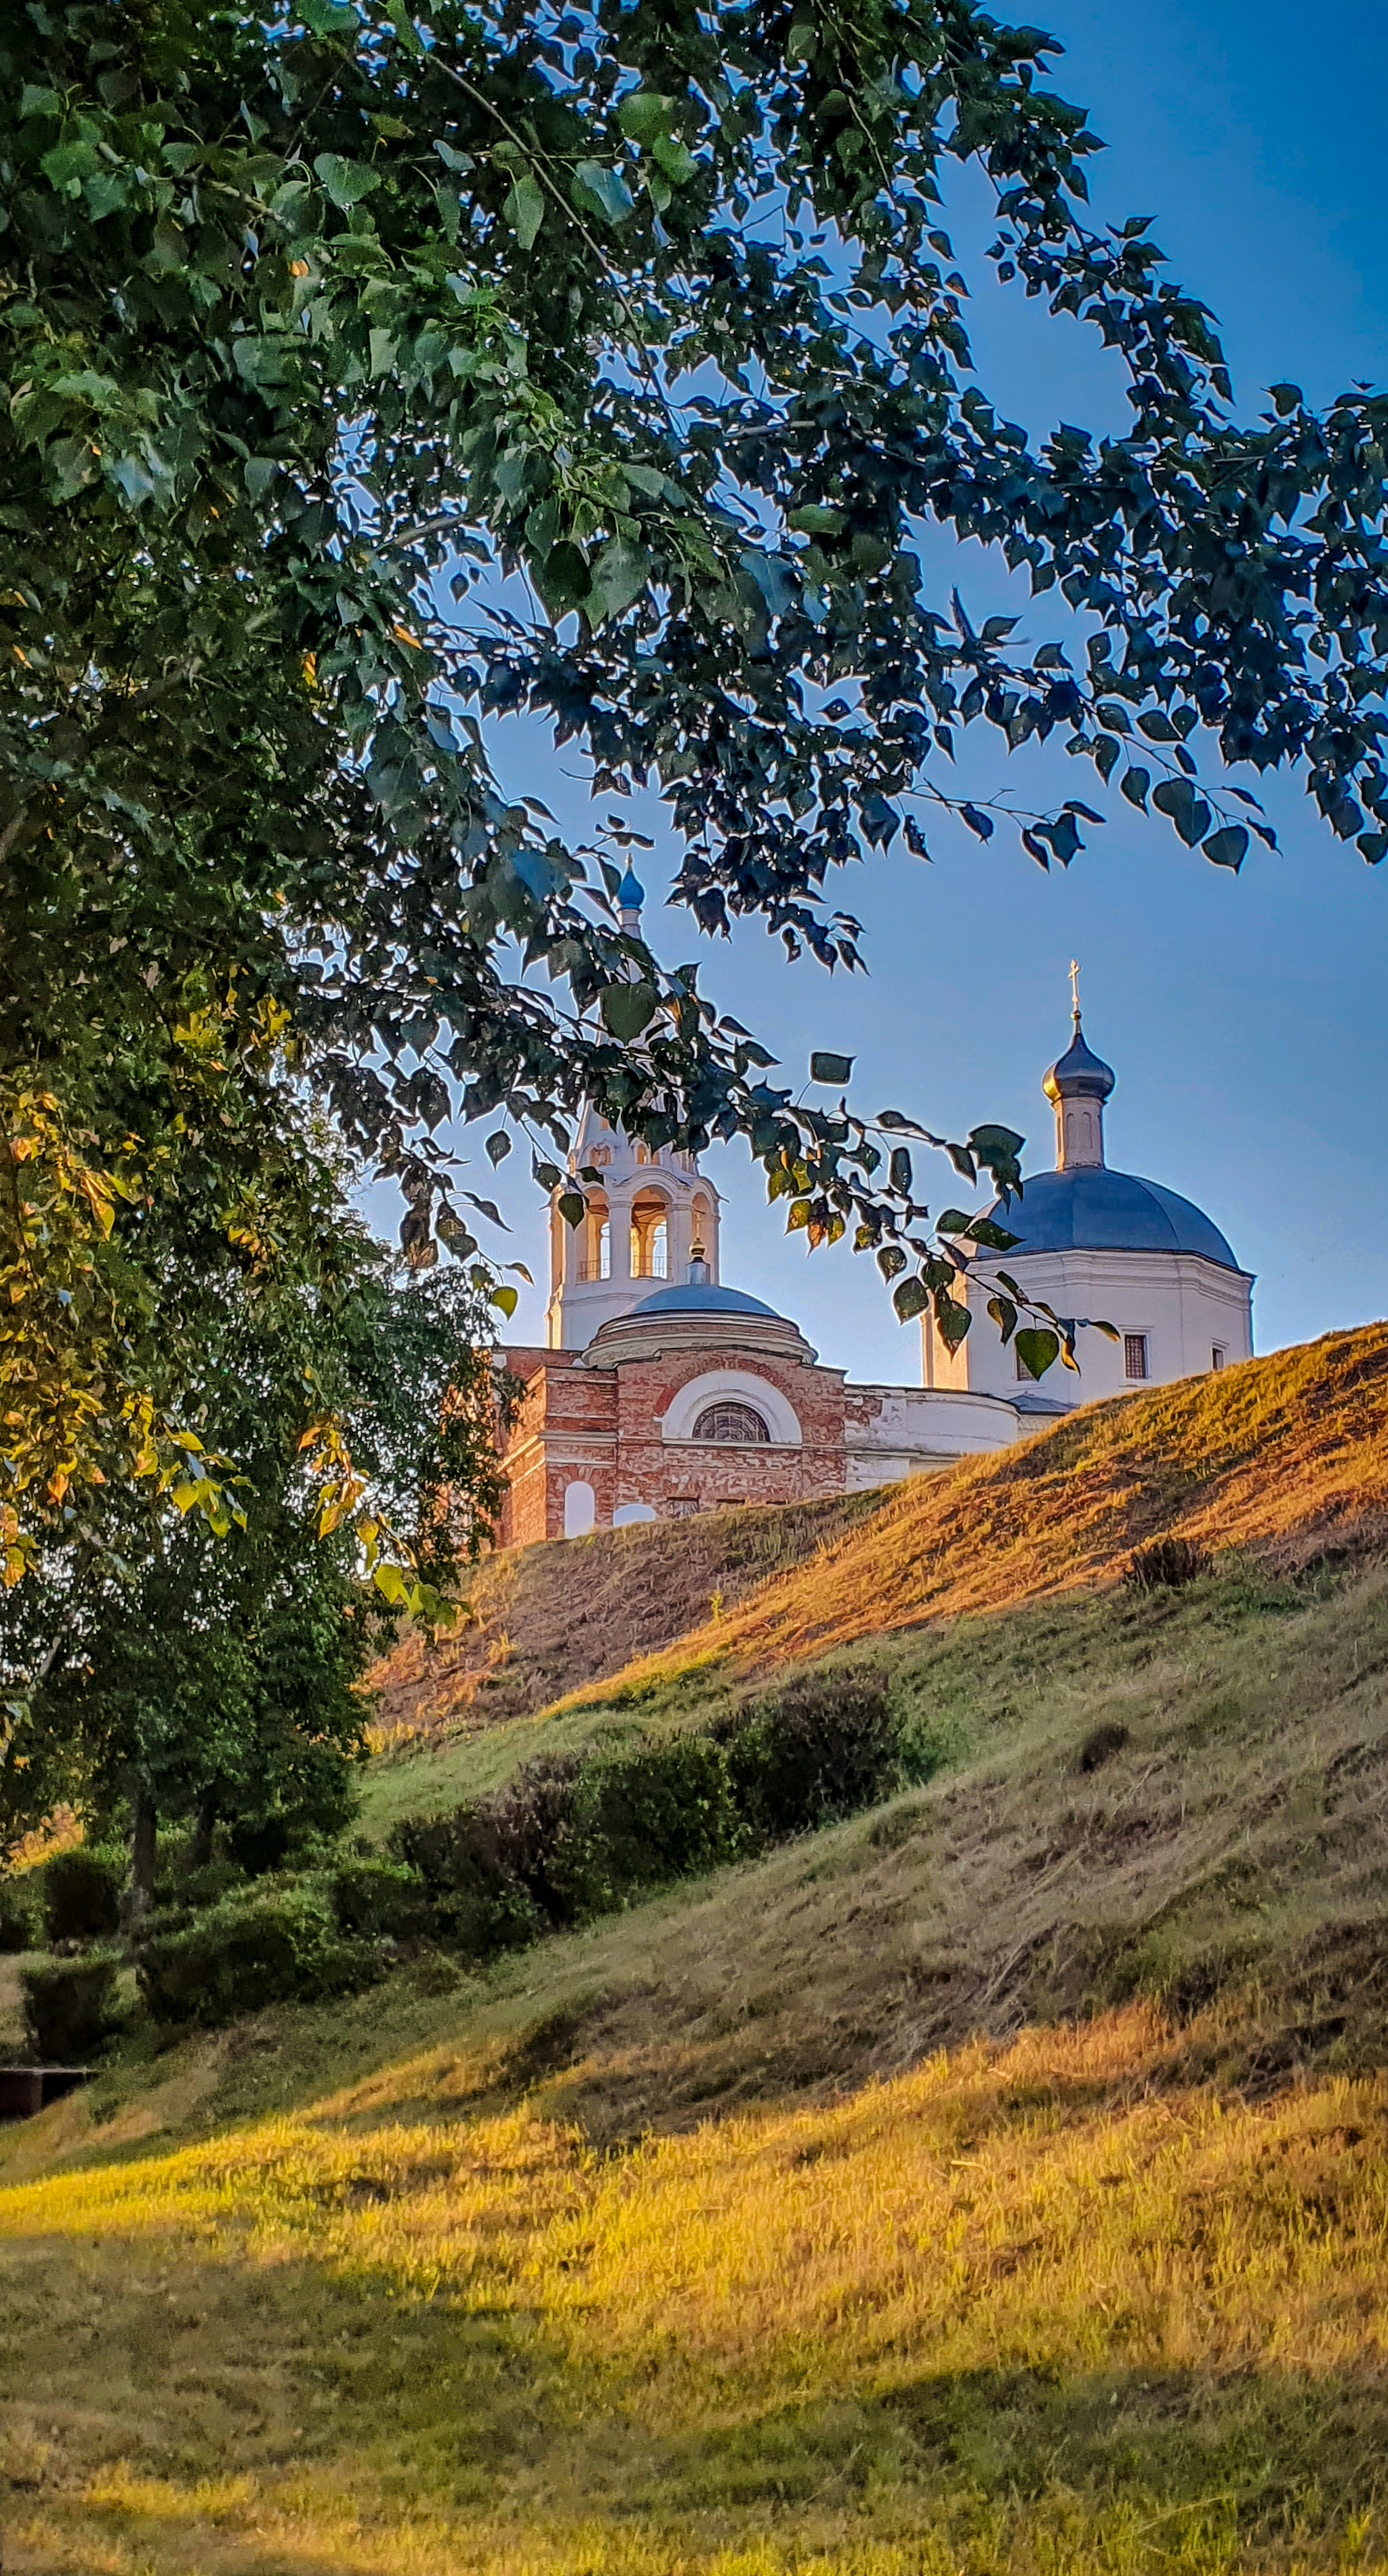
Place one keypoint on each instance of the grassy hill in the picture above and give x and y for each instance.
(996, 2181)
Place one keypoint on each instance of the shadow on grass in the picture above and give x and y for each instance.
(160, 2370)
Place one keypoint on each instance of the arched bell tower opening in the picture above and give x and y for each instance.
(650, 1214)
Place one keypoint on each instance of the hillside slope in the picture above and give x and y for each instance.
(1287, 1455)
(993, 2181)
(549, 1618)
(695, 2244)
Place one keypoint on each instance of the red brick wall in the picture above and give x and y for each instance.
(564, 1429)
(605, 1426)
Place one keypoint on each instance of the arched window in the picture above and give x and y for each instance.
(728, 1421)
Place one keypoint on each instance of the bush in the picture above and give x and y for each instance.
(380, 1900)
(665, 1810)
(823, 1746)
(19, 1913)
(1102, 1743)
(1166, 1565)
(70, 2007)
(82, 1892)
(477, 1902)
(250, 1951)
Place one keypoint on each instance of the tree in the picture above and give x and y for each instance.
(168, 1671)
(370, 371)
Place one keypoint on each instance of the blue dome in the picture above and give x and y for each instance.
(1092, 1209)
(631, 893)
(697, 1300)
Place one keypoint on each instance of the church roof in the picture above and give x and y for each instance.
(1091, 1209)
(698, 1298)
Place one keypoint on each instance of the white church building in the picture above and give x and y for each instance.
(1095, 1242)
(660, 1392)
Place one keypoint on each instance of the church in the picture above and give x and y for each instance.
(659, 1392)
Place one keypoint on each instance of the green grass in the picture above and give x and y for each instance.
(710, 2242)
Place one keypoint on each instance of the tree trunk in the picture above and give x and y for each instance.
(200, 1848)
(143, 1822)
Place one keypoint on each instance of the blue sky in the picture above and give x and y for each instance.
(1245, 1017)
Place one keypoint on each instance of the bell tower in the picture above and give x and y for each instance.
(651, 1214)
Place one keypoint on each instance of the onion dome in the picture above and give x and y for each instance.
(1079, 1074)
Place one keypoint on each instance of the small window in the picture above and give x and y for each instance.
(1218, 1355)
(1134, 1355)
(731, 1422)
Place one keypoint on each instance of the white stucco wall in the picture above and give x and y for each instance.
(1186, 1306)
(895, 1431)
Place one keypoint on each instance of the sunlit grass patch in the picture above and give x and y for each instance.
(1016, 2310)
(974, 2214)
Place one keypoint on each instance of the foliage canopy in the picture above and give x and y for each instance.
(369, 373)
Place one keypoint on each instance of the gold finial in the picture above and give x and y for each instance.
(1075, 989)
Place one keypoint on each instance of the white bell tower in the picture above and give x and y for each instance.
(650, 1215)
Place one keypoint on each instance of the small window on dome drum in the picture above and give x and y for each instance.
(730, 1422)
(1134, 1355)
(1217, 1356)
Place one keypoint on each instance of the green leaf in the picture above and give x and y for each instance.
(1191, 815)
(817, 519)
(1037, 1348)
(891, 1261)
(952, 1320)
(1004, 1315)
(573, 1207)
(835, 1069)
(401, 21)
(910, 1299)
(505, 1297)
(602, 192)
(627, 1009)
(524, 209)
(1135, 783)
(998, 1150)
(497, 1147)
(644, 116)
(1227, 847)
(620, 575)
(899, 1168)
(990, 1236)
(675, 159)
(346, 182)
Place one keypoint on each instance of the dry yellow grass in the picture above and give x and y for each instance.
(969, 2223)
(1280, 1454)
(550, 1617)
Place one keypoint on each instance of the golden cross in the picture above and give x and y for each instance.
(1075, 989)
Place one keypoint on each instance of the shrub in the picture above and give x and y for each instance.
(380, 1900)
(19, 1913)
(1166, 1565)
(476, 1901)
(1102, 1743)
(823, 1746)
(70, 2006)
(532, 1814)
(664, 1810)
(250, 1951)
(82, 1891)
